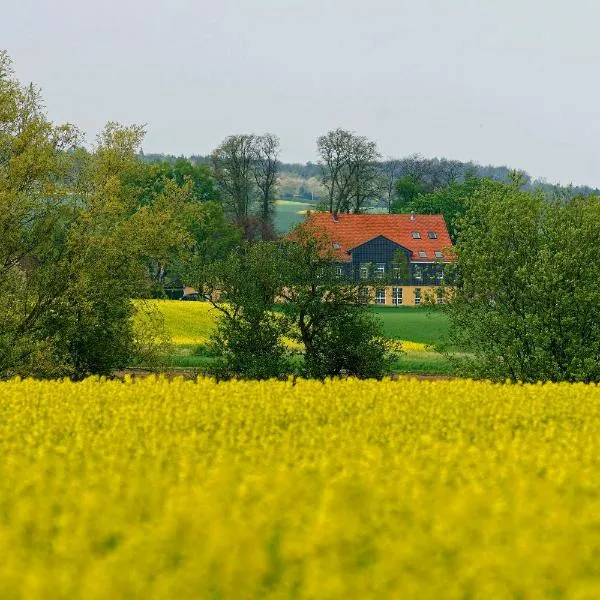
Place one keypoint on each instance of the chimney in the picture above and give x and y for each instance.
(412, 216)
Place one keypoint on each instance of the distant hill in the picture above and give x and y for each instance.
(302, 181)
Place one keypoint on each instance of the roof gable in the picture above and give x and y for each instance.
(347, 232)
(374, 239)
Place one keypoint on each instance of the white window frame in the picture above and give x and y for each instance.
(417, 296)
(439, 254)
(418, 272)
(339, 271)
(396, 296)
(432, 235)
(379, 298)
(422, 254)
(364, 271)
(416, 235)
(380, 270)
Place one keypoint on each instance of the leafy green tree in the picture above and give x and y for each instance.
(248, 338)
(327, 316)
(174, 222)
(145, 181)
(407, 189)
(68, 261)
(527, 302)
(450, 201)
(330, 316)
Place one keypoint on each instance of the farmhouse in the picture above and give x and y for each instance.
(401, 259)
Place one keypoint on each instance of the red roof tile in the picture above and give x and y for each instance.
(350, 231)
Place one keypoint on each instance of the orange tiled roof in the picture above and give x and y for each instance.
(350, 231)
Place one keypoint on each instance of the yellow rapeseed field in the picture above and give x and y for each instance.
(348, 489)
(191, 323)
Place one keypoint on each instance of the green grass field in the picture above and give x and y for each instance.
(289, 213)
(416, 324)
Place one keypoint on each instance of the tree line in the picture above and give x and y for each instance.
(84, 229)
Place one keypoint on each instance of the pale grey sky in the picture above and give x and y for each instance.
(497, 81)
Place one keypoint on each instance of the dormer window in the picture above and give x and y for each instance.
(438, 254)
(416, 235)
(422, 254)
(432, 235)
(336, 246)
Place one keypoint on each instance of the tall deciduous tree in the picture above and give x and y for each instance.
(348, 163)
(233, 166)
(266, 171)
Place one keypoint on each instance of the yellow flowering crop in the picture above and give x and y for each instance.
(348, 489)
(191, 323)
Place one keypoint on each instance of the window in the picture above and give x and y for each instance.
(339, 271)
(380, 296)
(416, 235)
(364, 271)
(440, 274)
(397, 296)
(380, 270)
(364, 294)
(336, 246)
(422, 254)
(438, 254)
(440, 296)
(432, 235)
(417, 295)
(418, 273)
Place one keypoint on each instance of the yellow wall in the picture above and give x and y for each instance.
(428, 292)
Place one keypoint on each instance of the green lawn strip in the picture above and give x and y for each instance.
(416, 363)
(416, 324)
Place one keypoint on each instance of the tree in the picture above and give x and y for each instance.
(348, 164)
(407, 190)
(68, 264)
(388, 173)
(330, 316)
(327, 316)
(248, 338)
(233, 167)
(527, 302)
(450, 201)
(266, 170)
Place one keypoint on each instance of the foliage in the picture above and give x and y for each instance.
(527, 301)
(69, 256)
(407, 189)
(347, 341)
(450, 201)
(248, 337)
(147, 180)
(250, 348)
(330, 316)
(343, 489)
(327, 316)
(176, 224)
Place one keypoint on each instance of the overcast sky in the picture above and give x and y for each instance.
(497, 81)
